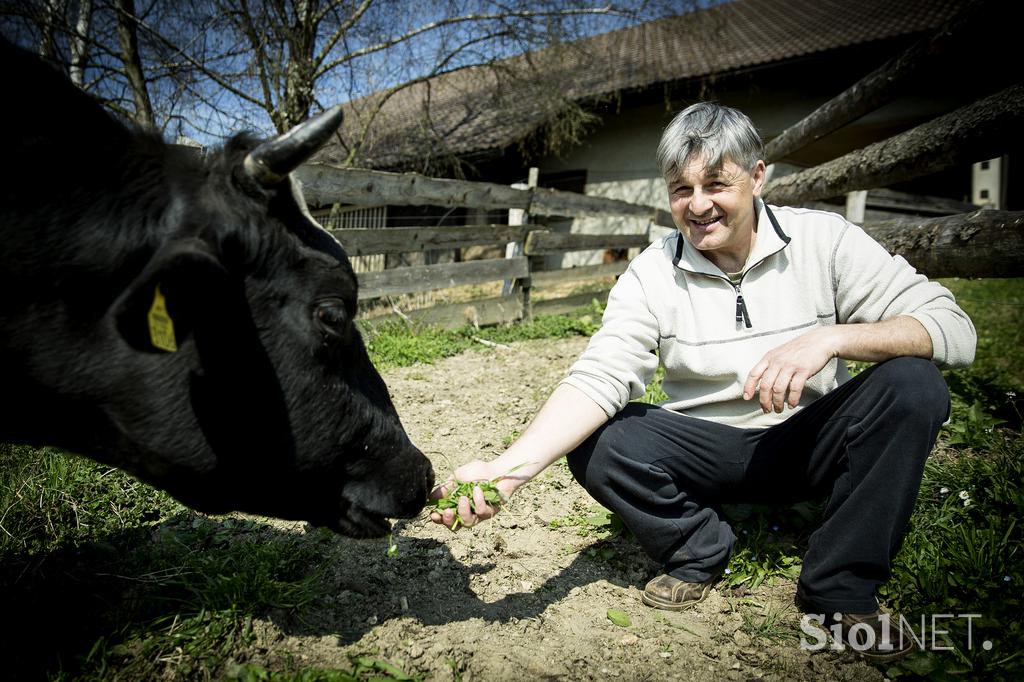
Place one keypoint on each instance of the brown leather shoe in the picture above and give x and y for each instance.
(672, 594)
(878, 636)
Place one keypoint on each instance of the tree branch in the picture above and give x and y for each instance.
(342, 29)
(451, 21)
(202, 68)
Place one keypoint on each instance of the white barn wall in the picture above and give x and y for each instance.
(619, 161)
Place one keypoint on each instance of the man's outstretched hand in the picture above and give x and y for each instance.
(471, 510)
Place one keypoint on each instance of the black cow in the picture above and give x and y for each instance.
(115, 248)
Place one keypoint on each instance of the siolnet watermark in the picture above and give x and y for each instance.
(893, 633)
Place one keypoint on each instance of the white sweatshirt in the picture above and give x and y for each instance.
(807, 268)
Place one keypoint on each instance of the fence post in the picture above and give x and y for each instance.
(518, 216)
(856, 205)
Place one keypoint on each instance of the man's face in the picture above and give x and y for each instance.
(714, 209)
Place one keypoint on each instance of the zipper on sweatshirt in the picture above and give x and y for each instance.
(741, 308)
(742, 315)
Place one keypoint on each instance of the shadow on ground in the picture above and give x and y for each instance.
(78, 609)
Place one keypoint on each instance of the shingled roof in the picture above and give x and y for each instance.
(486, 109)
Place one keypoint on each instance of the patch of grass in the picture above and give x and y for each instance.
(770, 542)
(964, 554)
(996, 306)
(400, 344)
(49, 497)
(767, 622)
(174, 602)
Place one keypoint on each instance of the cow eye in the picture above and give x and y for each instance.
(332, 317)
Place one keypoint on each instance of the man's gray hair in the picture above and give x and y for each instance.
(710, 131)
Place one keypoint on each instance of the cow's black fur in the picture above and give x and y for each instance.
(270, 405)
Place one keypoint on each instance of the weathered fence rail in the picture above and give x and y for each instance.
(513, 306)
(984, 243)
(370, 241)
(323, 184)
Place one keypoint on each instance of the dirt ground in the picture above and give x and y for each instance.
(514, 598)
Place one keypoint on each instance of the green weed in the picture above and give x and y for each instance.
(594, 521)
(491, 494)
(770, 542)
(654, 394)
(770, 622)
(399, 344)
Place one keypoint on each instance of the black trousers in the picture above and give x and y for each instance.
(863, 445)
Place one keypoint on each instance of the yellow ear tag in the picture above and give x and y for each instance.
(161, 328)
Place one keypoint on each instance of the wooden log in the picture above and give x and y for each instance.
(914, 203)
(479, 313)
(973, 133)
(429, 277)
(323, 185)
(984, 243)
(878, 87)
(549, 277)
(570, 204)
(541, 242)
(561, 306)
(364, 241)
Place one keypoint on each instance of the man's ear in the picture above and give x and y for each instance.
(758, 176)
(183, 282)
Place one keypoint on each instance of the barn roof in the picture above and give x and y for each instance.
(485, 109)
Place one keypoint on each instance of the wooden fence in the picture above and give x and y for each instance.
(324, 185)
(976, 243)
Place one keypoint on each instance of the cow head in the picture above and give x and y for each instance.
(285, 414)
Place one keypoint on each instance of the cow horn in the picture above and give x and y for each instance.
(272, 161)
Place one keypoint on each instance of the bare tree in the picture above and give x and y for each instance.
(218, 65)
(131, 59)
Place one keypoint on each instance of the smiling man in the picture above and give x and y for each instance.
(752, 309)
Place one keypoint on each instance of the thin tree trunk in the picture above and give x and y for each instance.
(300, 77)
(53, 11)
(129, 41)
(80, 43)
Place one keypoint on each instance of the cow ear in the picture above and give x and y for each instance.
(181, 284)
